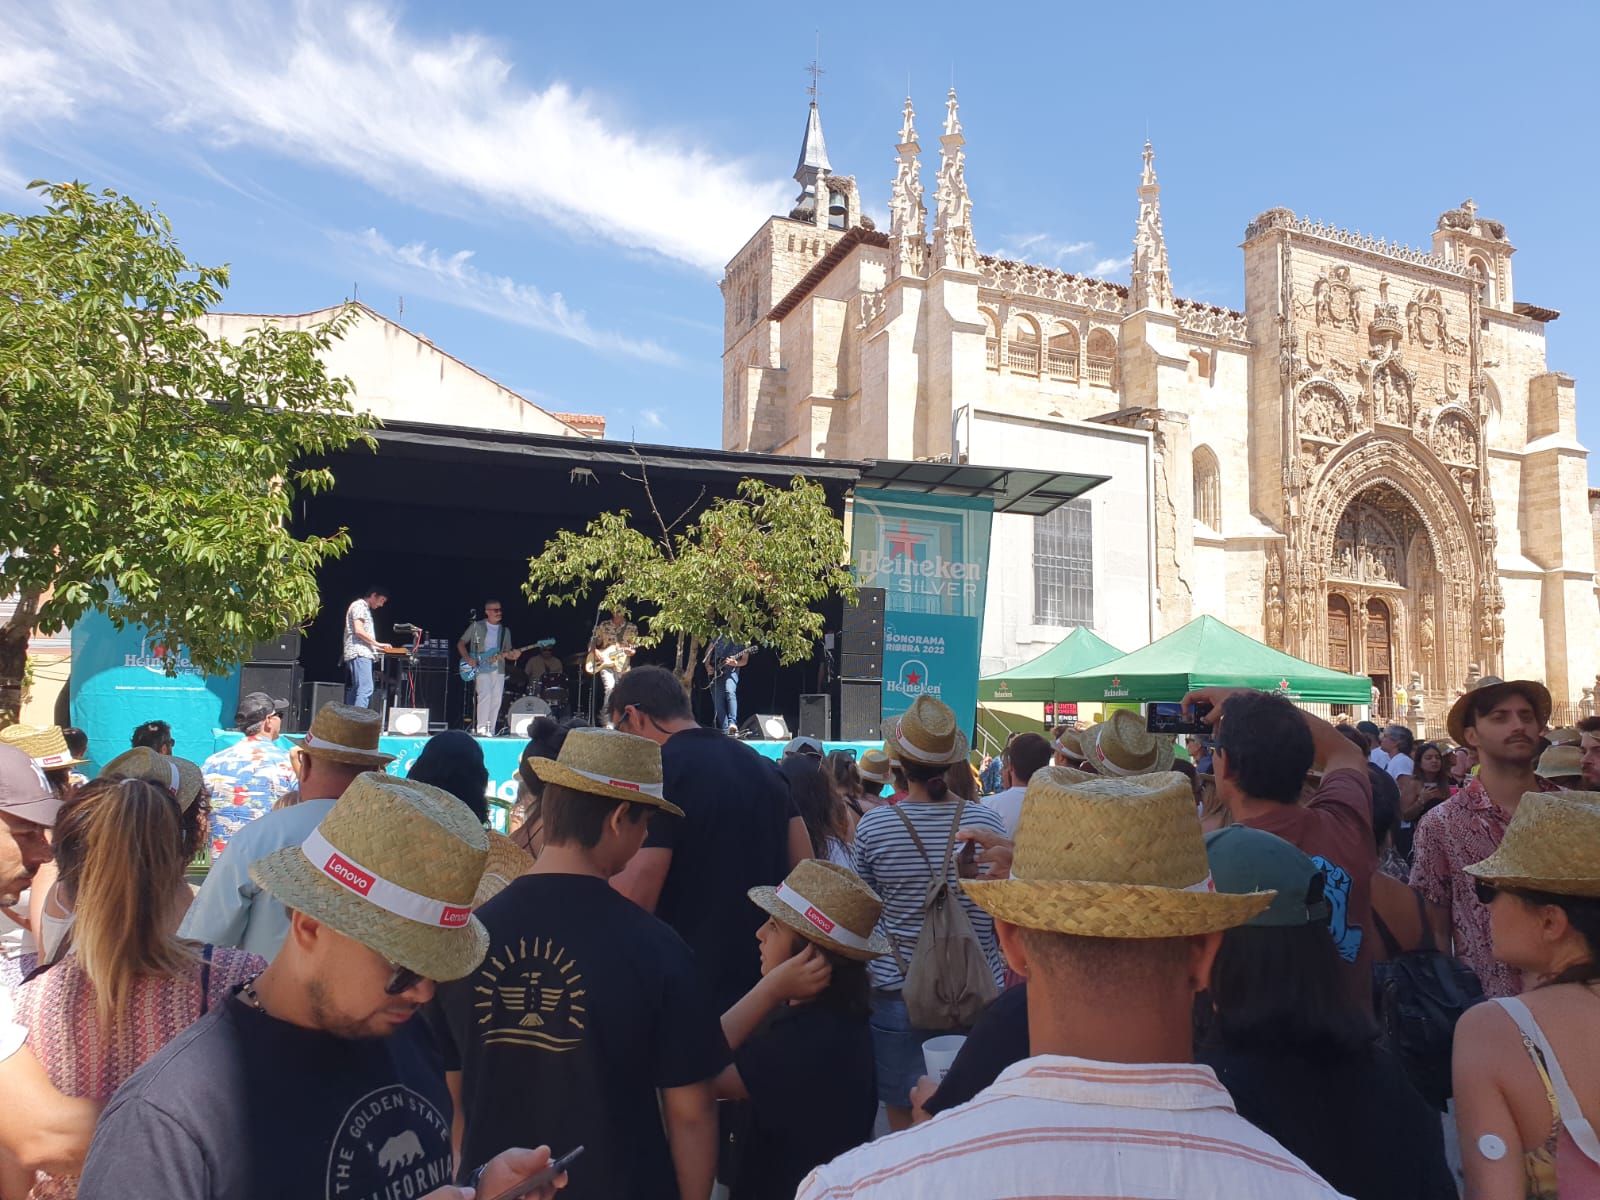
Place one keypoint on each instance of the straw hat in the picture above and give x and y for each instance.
(828, 905)
(609, 763)
(1560, 762)
(1551, 845)
(927, 734)
(873, 766)
(395, 865)
(1123, 746)
(1112, 858)
(507, 861)
(1567, 735)
(1070, 743)
(1489, 691)
(47, 746)
(343, 733)
(182, 776)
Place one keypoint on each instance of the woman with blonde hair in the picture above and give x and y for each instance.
(126, 984)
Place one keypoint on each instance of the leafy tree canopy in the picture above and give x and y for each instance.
(752, 566)
(149, 470)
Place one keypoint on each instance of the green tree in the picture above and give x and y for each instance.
(752, 566)
(148, 470)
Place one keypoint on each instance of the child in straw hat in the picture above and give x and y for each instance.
(808, 1071)
(588, 1023)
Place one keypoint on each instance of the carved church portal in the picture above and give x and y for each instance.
(1379, 654)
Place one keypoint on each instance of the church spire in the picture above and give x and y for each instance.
(908, 216)
(812, 172)
(953, 245)
(1152, 282)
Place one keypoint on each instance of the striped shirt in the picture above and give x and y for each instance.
(888, 860)
(1073, 1129)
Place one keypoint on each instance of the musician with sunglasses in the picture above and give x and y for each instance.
(315, 1078)
(486, 644)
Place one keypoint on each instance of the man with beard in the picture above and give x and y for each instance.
(1502, 721)
(1589, 740)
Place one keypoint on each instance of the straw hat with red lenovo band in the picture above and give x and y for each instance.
(927, 735)
(343, 733)
(828, 905)
(46, 746)
(394, 865)
(609, 763)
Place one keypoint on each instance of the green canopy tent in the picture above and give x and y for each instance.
(1035, 680)
(1207, 653)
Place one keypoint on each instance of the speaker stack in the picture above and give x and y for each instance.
(861, 668)
(274, 668)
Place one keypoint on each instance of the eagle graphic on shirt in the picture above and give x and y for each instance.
(530, 994)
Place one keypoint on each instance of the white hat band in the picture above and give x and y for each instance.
(648, 789)
(50, 762)
(1112, 768)
(820, 920)
(313, 742)
(374, 888)
(932, 758)
(174, 775)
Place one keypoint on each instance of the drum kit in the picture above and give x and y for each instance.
(546, 695)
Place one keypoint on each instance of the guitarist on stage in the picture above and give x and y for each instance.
(487, 646)
(611, 650)
(723, 659)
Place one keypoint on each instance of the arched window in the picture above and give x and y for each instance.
(991, 341)
(1486, 279)
(1062, 358)
(1207, 489)
(1022, 346)
(1100, 365)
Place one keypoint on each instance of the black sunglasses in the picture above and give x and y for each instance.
(1486, 891)
(401, 979)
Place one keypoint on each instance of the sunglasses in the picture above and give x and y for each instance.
(401, 979)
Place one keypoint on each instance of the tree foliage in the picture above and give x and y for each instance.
(149, 470)
(753, 566)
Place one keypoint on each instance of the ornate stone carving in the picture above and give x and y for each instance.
(1337, 301)
(1027, 279)
(1152, 281)
(1274, 616)
(1454, 439)
(908, 216)
(1283, 218)
(1211, 321)
(1324, 413)
(953, 245)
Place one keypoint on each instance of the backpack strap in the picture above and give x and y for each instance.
(1390, 942)
(1428, 942)
(1567, 1110)
(950, 845)
(912, 830)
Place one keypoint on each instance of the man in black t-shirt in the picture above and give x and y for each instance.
(587, 1024)
(312, 1080)
(739, 830)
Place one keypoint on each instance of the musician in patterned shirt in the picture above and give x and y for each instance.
(611, 650)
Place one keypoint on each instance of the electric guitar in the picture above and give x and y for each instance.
(721, 669)
(614, 657)
(470, 667)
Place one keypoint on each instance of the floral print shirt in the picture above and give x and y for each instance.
(246, 779)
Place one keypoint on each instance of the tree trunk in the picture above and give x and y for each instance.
(683, 665)
(14, 656)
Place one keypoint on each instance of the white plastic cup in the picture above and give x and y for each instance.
(938, 1053)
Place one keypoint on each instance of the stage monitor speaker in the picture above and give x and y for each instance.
(283, 648)
(408, 722)
(869, 604)
(280, 680)
(867, 640)
(768, 726)
(867, 665)
(315, 696)
(816, 716)
(860, 710)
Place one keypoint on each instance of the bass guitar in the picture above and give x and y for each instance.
(613, 658)
(721, 670)
(470, 668)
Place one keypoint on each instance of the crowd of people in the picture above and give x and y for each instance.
(1287, 959)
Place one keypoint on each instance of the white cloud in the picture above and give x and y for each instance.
(428, 120)
(1108, 266)
(652, 419)
(453, 279)
(1041, 247)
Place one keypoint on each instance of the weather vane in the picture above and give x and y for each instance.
(814, 69)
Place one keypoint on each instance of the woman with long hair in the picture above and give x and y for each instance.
(1300, 1059)
(545, 736)
(127, 984)
(841, 766)
(1425, 788)
(1527, 1079)
(830, 824)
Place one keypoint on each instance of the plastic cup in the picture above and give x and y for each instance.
(938, 1053)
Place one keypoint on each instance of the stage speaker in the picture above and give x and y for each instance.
(280, 680)
(283, 648)
(860, 710)
(768, 726)
(868, 608)
(816, 716)
(408, 722)
(865, 665)
(315, 696)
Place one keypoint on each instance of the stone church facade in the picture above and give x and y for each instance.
(1372, 466)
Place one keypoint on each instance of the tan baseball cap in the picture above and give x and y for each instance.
(25, 793)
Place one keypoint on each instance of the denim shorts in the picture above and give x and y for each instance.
(897, 1048)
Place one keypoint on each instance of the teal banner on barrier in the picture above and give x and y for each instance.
(930, 554)
(119, 681)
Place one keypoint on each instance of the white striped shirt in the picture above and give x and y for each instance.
(1074, 1129)
(887, 859)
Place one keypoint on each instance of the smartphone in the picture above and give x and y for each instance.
(540, 1179)
(1166, 717)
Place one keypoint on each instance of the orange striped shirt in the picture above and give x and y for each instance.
(1074, 1129)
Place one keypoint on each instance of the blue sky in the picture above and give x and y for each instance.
(553, 189)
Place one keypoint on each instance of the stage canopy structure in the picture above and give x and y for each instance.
(1035, 680)
(1208, 653)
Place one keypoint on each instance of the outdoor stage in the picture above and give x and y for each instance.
(501, 755)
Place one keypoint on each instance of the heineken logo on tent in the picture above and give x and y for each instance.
(1002, 691)
(1116, 690)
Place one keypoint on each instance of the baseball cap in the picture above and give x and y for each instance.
(258, 706)
(1245, 860)
(25, 793)
(804, 745)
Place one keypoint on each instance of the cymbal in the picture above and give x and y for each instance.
(573, 660)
